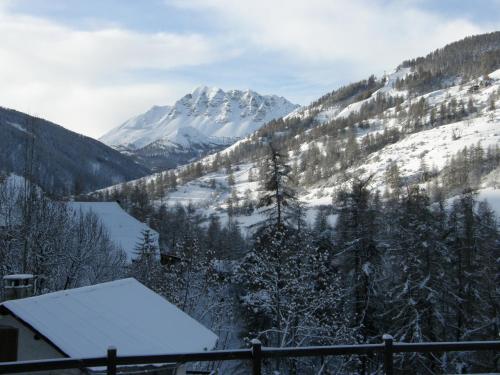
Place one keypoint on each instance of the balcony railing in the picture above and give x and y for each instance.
(256, 354)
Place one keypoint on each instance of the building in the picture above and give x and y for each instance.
(85, 322)
(123, 229)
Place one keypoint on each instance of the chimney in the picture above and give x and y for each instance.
(18, 286)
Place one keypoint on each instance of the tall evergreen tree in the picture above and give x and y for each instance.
(415, 256)
(277, 195)
(146, 267)
(360, 260)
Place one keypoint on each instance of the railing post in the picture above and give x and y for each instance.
(256, 357)
(111, 369)
(388, 355)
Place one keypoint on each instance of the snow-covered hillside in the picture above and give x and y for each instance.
(432, 146)
(210, 114)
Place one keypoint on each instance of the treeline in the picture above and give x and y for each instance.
(404, 266)
(420, 272)
(468, 166)
(353, 92)
(418, 268)
(468, 58)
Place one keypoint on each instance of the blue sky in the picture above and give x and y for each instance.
(89, 65)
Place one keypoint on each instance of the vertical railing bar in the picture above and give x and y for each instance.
(111, 366)
(256, 357)
(388, 354)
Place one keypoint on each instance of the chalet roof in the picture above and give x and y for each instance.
(124, 230)
(84, 322)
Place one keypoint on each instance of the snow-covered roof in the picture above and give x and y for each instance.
(124, 230)
(84, 322)
(18, 276)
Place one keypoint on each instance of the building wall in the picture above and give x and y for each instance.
(31, 348)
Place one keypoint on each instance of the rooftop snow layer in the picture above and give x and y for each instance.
(84, 322)
(124, 230)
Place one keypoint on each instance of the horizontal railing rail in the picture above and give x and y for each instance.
(255, 354)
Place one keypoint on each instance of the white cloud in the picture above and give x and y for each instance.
(91, 80)
(84, 79)
(370, 35)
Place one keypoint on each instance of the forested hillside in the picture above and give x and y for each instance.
(58, 160)
(373, 210)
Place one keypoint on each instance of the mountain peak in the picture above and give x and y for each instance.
(208, 90)
(211, 111)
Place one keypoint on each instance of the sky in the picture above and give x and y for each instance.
(90, 65)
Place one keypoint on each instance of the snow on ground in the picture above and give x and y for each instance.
(389, 87)
(201, 194)
(434, 147)
(328, 114)
(124, 230)
(352, 108)
(84, 322)
(495, 74)
(492, 196)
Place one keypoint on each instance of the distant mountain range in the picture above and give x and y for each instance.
(204, 121)
(58, 160)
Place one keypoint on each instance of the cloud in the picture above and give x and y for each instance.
(368, 35)
(90, 80)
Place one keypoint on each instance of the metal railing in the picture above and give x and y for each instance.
(256, 354)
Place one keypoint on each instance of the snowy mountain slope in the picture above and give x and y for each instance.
(325, 112)
(439, 128)
(135, 128)
(213, 113)
(431, 145)
(202, 122)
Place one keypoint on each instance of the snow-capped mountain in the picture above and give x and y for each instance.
(433, 120)
(208, 115)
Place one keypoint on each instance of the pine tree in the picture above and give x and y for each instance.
(230, 179)
(277, 196)
(393, 180)
(471, 250)
(491, 102)
(146, 267)
(360, 259)
(214, 234)
(417, 261)
(487, 317)
(470, 105)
